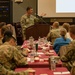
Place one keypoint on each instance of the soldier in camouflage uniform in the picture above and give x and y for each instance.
(69, 58)
(10, 57)
(27, 20)
(54, 33)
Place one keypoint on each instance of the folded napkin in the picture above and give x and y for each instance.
(67, 72)
(61, 73)
(40, 53)
(57, 73)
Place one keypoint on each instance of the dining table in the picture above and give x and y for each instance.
(41, 63)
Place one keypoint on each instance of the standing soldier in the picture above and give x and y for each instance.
(27, 20)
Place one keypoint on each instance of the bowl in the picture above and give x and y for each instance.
(36, 59)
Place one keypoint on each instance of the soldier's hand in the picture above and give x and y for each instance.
(31, 71)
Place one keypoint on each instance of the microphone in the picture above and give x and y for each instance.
(38, 16)
(41, 19)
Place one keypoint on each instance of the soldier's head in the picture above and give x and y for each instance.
(55, 25)
(66, 26)
(72, 31)
(63, 31)
(29, 10)
(9, 38)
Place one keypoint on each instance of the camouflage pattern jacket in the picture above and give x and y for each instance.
(10, 57)
(69, 58)
(53, 34)
(27, 22)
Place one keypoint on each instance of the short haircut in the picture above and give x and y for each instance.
(63, 31)
(66, 26)
(28, 8)
(8, 36)
(72, 29)
(8, 33)
(56, 24)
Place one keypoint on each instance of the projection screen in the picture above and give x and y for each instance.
(56, 8)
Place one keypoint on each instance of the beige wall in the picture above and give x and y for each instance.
(19, 9)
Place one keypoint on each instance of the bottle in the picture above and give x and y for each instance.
(32, 56)
(45, 40)
(53, 64)
(36, 47)
(31, 42)
(39, 40)
(31, 38)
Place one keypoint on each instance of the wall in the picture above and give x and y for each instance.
(19, 9)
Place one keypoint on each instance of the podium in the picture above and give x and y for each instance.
(37, 30)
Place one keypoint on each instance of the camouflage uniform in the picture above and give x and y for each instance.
(10, 58)
(73, 69)
(27, 22)
(1, 41)
(53, 34)
(24, 51)
(69, 58)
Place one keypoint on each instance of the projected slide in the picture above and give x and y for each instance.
(65, 6)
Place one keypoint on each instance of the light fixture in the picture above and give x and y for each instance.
(18, 1)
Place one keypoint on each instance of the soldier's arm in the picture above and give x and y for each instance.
(36, 19)
(16, 73)
(23, 22)
(19, 58)
(67, 57)
(24, 51)
(69, 51)
(48, 36)
(23, 26)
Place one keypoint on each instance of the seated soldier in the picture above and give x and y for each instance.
(67, 27)
(10, 57)
(61, 41)
(69, 58)
(54, 33)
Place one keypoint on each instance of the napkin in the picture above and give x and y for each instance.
(67, 72)
(57, 73)
(40, 53)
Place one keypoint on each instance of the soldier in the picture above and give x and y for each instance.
(10, 57)
(27, 20)
(67, 27)
(54, 33)
(69, 58)
(62, 41)
(3, 28)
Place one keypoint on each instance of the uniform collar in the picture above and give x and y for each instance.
(6, 43)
